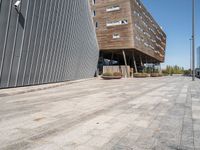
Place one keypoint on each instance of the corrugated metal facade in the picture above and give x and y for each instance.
(48, 41)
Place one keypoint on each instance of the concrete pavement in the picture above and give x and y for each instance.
(128, 114)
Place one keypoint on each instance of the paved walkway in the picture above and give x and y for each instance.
(128, 114)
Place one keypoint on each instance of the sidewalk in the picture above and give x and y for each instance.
(128, 114)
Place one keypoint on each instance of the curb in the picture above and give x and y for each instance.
(34, 88)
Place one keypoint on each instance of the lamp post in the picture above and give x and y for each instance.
(190, 56)
(193, 40)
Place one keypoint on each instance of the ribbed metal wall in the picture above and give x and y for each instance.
(49, 41)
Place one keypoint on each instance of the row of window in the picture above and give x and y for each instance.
(145, 24)
(138, 3)
(113, 8)
(160, 33)
(147, 16)
(145, 43)
(158, 45)
(139, 28)
(113, 23)
(149, 45)
(161, 55)
(109, 9)
(158, 38)
(155, 26)
(147, 34)
(116, 23)
(123, 22)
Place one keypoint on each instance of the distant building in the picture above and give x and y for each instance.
(198, 57)
(125, 27)
(197, 72)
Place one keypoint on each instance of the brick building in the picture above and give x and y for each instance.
(127, 33)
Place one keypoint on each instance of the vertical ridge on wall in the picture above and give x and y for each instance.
(19, 47)
(6, 6)
(48, 41)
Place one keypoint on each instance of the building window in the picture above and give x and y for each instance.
(97, 24)
(94, 2)
(137, 38)
(138, 27)
(146, 44)
(158, 38)
(94, 13)
(115, 23)
(146, 33)
(116, 36)
(113, 8)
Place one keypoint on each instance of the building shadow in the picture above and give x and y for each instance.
(21, 20)
(0, 5)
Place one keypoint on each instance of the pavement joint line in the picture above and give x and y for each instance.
(85, 117)
(162, 104)
(192, 117)
(4, 92)
(182, 127)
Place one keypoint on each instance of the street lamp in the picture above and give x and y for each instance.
(191, 56)
(193, 40)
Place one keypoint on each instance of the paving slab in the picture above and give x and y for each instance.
(137, 114)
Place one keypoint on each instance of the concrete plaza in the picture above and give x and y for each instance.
(127, 114)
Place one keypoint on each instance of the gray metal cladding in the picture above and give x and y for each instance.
(47, 41)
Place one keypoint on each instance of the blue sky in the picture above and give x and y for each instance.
(175, 17)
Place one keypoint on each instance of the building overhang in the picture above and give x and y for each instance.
(117, 54)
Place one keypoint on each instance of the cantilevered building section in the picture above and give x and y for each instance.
(45, 41)
(126, 27)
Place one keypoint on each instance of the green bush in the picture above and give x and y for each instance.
(156, 75)
(173, 70)
(187, 72)
(117, 74)
(108, 74)
(148, 70)
(165, 72)
(140, 75)
(155, 71)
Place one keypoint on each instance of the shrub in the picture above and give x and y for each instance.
(155, 71)
(108, 74)
(140, 75)
(117, 74)
(148, 70)
(187, 72)
(165, 72)
(156, 75)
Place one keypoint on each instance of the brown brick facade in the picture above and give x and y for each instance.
(127, 25)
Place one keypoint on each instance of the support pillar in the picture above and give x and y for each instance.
(141, 61)
(111, 60)
(135, 66)
(160, 69)
(142, 65)
(125, 61)
(146, 62)
(102, 71)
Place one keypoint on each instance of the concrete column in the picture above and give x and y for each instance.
(135, 66)
(125, 61)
